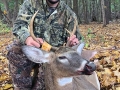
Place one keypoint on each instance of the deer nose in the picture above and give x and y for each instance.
(89, 68)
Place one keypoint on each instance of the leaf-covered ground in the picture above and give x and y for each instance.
(106, 40)
(5, 79)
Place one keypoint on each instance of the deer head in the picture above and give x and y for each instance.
(65, 59)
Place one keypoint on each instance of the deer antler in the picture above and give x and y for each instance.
(73, 32)
(45, 45)
(31, 28)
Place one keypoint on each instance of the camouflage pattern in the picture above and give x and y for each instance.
(47, 25)
(21, 70)
(50, 27)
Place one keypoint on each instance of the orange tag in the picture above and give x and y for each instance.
(46, 46)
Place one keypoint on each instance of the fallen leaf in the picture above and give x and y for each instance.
(7, 86)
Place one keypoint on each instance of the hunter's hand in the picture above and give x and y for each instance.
(29, 41)
(73, 40)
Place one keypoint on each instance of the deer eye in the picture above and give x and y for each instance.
(62, 57)
(63, 60)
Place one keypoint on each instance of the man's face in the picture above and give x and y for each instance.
(53, 1)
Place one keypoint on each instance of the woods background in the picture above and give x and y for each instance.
(86, 10)
(99, 22)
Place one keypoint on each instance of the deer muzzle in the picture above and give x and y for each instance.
(89, 68)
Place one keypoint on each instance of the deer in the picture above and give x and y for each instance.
(61, 63)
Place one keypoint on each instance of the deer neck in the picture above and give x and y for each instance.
(50, 78)
(53, 81)
(62, 82)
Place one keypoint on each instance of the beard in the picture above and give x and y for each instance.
(53, 2)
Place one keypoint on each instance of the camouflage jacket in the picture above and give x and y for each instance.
(47, 25)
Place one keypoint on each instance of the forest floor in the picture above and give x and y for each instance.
(106, 40)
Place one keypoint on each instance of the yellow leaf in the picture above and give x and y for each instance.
(105, 54)
(7, 86)
(97, 56)
(118, 80)
(1, 67)
(117, 88)
(114, 63)
(5, 12)
(3, 77)
(117, 38)
(115, 53)
(107, 60)
(99, 74)
(2, 57)
(108, 71)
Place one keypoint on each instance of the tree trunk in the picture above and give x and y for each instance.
(16, 9)
(115, 10)
(93, 16)
(7, 8)
(1, 14)
(99, 14)
(75, 6)
(103, 13)
(109, 10)
(79, 11)
(85, 11)
(8, 18)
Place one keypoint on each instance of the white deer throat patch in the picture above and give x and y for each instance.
(64, 81)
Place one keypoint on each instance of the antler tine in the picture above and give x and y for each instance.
(32, 34)
(73, 32)
(75, 25)
(31, 27)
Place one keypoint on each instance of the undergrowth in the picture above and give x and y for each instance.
(4, 28)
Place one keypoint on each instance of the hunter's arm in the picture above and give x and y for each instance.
(20, 27)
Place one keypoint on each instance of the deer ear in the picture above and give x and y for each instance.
(88, 54)
(80, 48)
(35, 54)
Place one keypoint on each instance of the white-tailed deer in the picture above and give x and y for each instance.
(60, 63)
(64, 62)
